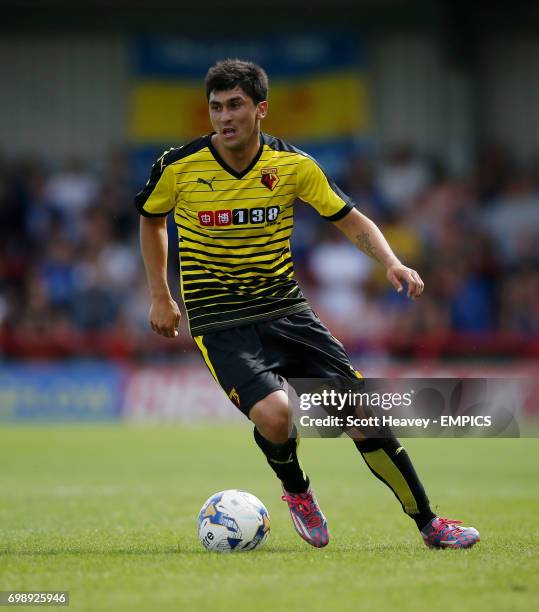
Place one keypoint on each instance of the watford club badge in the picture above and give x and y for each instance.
(270, 178)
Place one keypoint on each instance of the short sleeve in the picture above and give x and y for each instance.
(156, 199)
(316, 189)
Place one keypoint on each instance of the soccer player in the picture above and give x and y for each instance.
(233, 194)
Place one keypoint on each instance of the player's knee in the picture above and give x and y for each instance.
(274, 428)
(270, 415)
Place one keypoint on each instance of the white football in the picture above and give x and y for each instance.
(233, 521)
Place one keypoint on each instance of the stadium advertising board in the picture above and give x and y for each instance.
(60, 392)
(91, 392)
(175, 394)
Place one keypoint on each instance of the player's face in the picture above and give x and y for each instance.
(235, 117)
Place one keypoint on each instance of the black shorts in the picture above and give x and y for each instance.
(251, 361)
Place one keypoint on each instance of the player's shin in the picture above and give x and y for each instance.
(390, 463)
(283, 460)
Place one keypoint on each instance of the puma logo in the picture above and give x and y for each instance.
(205, 182)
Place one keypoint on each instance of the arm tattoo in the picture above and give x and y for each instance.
(364, 243)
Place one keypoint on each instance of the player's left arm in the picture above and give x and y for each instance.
(366, 235)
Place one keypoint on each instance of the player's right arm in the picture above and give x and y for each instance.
(154, 202)
(164, 312)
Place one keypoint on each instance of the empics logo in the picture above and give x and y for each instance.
(270, 178)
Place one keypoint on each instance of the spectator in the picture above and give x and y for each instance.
(513, 220)
(69, 260)
(402, 176)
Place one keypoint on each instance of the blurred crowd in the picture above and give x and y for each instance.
(474, 240)
(70, 266)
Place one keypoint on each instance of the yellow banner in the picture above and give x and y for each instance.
(328, 106)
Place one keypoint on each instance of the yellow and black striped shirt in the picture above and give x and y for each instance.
(234, 228)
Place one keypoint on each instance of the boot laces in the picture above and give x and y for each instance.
(303, 504)
(444, 522)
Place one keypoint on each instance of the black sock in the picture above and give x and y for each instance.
(390, 463)
(283, 460)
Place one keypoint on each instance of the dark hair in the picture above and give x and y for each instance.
(231, 73)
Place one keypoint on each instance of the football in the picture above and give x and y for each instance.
(233, 521)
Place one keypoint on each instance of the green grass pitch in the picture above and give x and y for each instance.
(109, 513)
